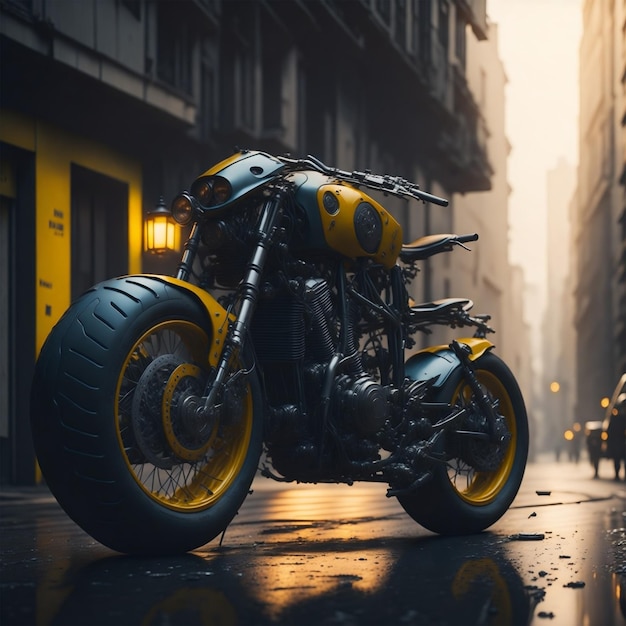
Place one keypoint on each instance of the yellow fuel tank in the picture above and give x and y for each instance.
(355, 225)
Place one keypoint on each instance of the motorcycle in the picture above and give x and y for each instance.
(281, 346)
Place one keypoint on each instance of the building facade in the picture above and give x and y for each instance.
(558, 383)
(486, 275)
(600, 216)
(107, 105)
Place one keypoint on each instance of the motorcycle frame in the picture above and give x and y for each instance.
(434, 364)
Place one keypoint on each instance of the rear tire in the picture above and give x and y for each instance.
(117, 451)
(459, 499)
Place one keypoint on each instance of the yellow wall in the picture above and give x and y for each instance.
(55, 150)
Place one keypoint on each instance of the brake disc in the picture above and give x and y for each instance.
(146, 415)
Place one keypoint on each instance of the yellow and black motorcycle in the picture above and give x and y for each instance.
(280, 345)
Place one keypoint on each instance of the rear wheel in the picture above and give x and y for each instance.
(116, 427)
(481, 477)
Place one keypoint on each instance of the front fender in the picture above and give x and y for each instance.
(438, 362)
(216, 312)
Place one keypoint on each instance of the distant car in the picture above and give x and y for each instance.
(597, 432)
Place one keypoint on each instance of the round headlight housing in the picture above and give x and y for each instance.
(221, 190)
(202, 191)
(182, 208)
(211, 191)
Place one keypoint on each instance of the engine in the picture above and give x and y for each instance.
(361, 404)
(296, 334)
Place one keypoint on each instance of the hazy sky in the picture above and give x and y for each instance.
(538, 42)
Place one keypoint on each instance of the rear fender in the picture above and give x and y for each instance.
(438, 362)
(216, 313)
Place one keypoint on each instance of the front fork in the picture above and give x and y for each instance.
(271, 215)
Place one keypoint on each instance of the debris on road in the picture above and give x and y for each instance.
(576, 584)
(527, 537)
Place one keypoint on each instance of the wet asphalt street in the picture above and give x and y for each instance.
(333, 554)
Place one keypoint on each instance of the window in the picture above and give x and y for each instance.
(206, 120)
(443, 24)
(20, 7)
(401, 34)
(423, 20)
(245, 89)
(174, 46)
(383, 8)
(274, 59)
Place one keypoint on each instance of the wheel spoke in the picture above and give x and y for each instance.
(182, 466)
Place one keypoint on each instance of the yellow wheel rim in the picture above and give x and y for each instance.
(178, 476)
(481, 487)
(184, 450)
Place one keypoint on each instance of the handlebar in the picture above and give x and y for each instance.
(394, 185)
(429, 197)
(467, 238)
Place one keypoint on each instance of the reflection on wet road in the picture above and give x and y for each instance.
(316, 554)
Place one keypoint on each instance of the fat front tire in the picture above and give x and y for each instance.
(119, 451)
(476, 487)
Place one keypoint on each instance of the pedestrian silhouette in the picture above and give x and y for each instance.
(616, 430)
(593, 432)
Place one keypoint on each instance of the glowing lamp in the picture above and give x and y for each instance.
(161, 232)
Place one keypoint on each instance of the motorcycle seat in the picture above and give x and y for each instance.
(441, 306)
(426, 246)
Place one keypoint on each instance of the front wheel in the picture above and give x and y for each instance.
(480, 478)
(115, 426)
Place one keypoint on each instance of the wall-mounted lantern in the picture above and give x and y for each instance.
(161, 233)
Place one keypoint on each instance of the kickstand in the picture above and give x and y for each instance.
(250, 491)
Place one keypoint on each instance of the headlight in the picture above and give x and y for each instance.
(221, 190)
(182, 208)
(211, 191)
(202, 191)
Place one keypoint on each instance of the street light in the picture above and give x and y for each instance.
(161, 232)
(555, 387)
